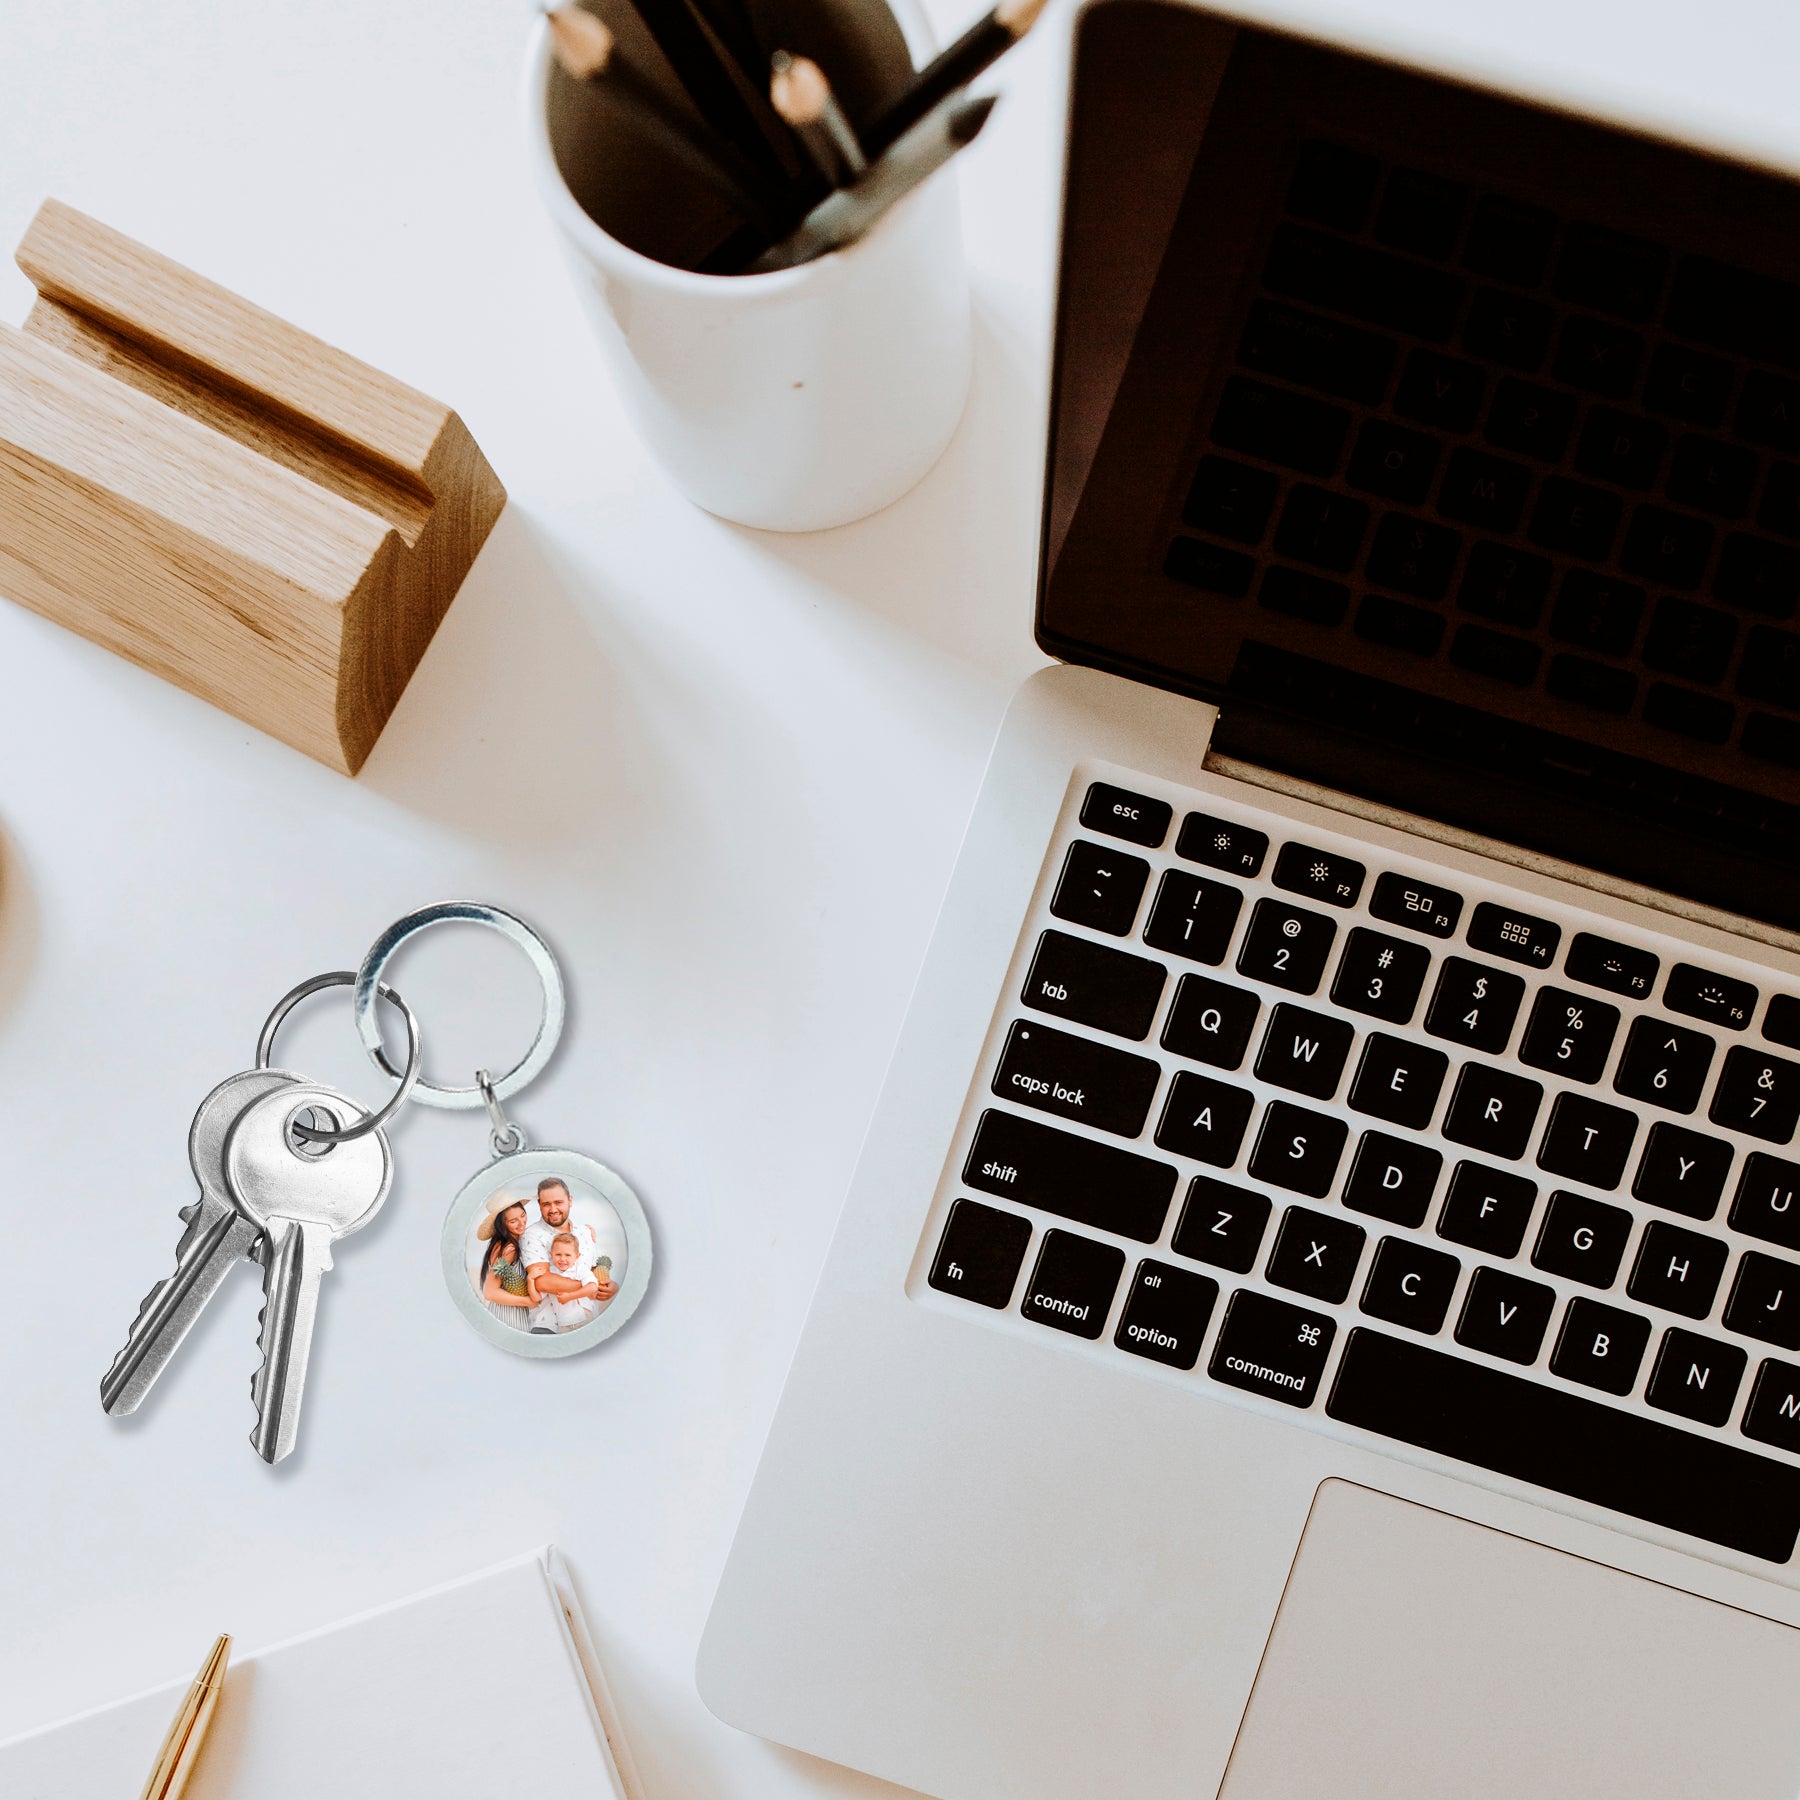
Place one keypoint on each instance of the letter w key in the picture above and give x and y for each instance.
(1304, 1051)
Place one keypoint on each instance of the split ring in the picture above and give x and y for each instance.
(370, 1121)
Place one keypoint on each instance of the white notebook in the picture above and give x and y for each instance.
(394, 1704)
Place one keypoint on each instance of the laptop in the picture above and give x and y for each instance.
(1318, 1310)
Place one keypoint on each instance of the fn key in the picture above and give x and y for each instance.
(980, 1254)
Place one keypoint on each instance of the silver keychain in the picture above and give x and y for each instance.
(546, 1252)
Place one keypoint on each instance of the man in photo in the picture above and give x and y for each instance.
(554, 1207)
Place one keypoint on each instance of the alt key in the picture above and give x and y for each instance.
(1166, 1314)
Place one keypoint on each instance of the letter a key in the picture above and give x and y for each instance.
(302, 1204)
(217, 1237)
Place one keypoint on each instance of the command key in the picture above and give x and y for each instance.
(1269, 1347)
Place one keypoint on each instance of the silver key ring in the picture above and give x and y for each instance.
(463, 912)
(265, 1046)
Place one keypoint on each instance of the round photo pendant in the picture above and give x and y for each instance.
(546, 1252)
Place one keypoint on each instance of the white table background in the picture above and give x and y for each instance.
(725, 772)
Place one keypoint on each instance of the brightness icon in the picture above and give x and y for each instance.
(1320, 871)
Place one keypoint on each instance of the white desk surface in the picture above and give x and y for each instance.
(725, 772)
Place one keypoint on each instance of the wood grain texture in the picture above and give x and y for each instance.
(215, 494)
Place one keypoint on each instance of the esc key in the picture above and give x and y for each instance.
(1120, 813)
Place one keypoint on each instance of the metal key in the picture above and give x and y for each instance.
(302, 1204)
(217, 1237)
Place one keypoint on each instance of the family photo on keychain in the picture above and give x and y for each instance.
(547, 1261)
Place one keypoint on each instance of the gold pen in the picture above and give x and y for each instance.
(187, 1732)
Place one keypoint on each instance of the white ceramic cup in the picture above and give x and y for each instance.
(794, 400)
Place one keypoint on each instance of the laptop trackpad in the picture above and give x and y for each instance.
(1416, 1656)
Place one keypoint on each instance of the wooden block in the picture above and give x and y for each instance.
(223, 499)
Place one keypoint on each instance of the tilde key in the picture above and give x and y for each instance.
(301, 1203)
(218, 1235)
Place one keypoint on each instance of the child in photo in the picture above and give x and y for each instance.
(570, 1311)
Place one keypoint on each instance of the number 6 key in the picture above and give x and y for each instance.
(303, 1200)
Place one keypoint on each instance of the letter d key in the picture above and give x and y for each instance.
(302, 1197)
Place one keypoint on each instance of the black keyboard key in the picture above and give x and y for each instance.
(1598, 359)
(1364, 284)
(1676, 1269)
(1773, 1415)
(1332, 185)
(1298, 1150)
(1488, 491)
(1618, 968)
(1398, 1081)
(1313, 352)
(1210, 1022)
(1319, 875)
(1610, 272)
(1166, 1314)
(1487, 1209)
(1505, 1315)
(1100, 888)
(1758, 1094)
(1623, 448)
(1219, 844)
(1380, 976)
(1712, 477)
(1221, 1225)
(1567, 1443)
(1094, 985)
(1588, 1141)
(1321, 528)
(1410, 1285)
(1688, 385)
(1275, 425)
(1495, 655)
(1119, 813)
(1205, 1119)
(1393, 462)
(1597, 612)
(1441, 391)
(1210, 568)
(1075, 1078)
(1598, 686)
(1690, 640)
(1769, 411)
(1518, 936)
(1781, 1023)
(1600, 1346)
(1315, 1254)
(1412, 556)
(1534, 421)
(1696, 1376)
(1780, 508)
(979, 1254)
(1507, 329)
(1392, 1178)
(1689, 715)
(1303, 596)
(1506, 585)
(1074, 1177)
(1072, 1284)
(1576, 519)
(1767, 1202)
(1582, 1238)
(1286, 946)
(1418, 905)
(1304, 1052)
(1664, 1064)
(1399, 625)
(1270, 1348)
(1421, 213)
(1492, 1110)
(1682, 1171)
(1474, 1005)
(1733, 310)
(1667, 548)
(1509, 241)
(1702, 994)
(1765, 1300)
(1759, 575)
(1771, 667)
(1193, 918)
(1231, 500)
(1569, 1034)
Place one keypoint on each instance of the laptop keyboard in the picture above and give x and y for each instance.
(1492, 1180)
(1559, 457)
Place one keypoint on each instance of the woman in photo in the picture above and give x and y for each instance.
(503, 1285)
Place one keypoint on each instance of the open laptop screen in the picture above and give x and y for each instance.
(1451, 444)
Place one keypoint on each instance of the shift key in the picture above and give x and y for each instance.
(1073, 1177)
(1094, 984)
(1056, 1072)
